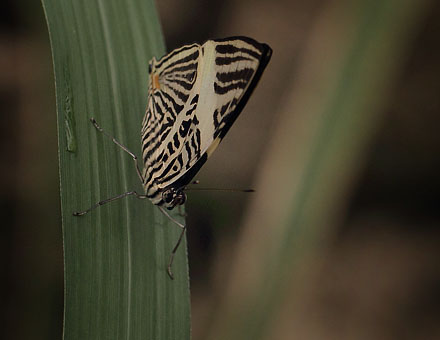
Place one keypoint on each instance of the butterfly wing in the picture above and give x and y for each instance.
(172, 79)
(227, 72)
(230, 70)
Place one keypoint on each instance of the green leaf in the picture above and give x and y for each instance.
(116, 284)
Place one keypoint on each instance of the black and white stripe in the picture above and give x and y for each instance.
(195, 94)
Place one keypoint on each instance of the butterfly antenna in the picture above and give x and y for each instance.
(219, 189)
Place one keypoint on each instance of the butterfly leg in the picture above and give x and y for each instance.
(173, 252)
(125, 194)
(181, 211)
(123, 147)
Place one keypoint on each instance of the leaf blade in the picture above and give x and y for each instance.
(116, 284)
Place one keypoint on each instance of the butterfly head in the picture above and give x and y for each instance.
(172, 197)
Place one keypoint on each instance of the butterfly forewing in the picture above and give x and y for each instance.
(195, 94)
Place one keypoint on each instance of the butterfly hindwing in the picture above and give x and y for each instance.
(172, 79)
(195, 95)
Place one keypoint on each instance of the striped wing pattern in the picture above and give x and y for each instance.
(195, 94)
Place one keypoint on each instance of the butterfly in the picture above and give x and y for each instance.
(195, 94)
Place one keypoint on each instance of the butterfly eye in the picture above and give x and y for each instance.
(168, 196)
(150, 68)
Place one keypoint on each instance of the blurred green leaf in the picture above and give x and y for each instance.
(353, 58)
(116, 285)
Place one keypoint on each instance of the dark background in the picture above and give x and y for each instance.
(382, 275)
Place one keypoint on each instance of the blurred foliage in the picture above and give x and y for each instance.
(328, 121)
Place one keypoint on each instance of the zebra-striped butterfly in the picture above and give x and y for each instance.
(195, 94)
